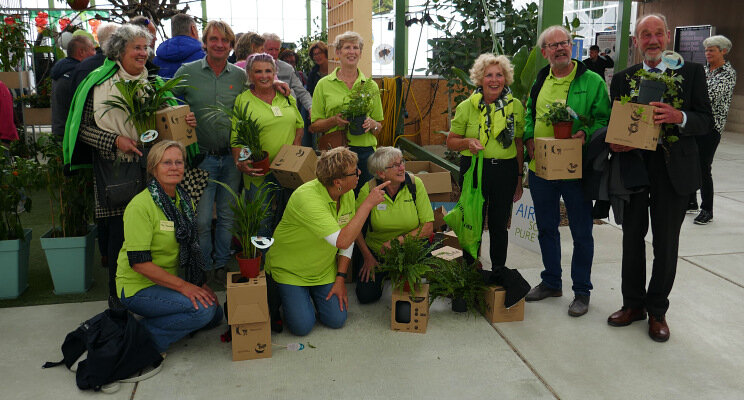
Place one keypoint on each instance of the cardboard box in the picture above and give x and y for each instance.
(448, 253)
(14, 79)
(294, 165)
(37, 116)
(248, 316)
(558, 158)
(436, 179)
(632, 125)
(410, 313)
(171, 125)
(495, 311)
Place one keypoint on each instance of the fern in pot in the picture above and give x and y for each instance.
(358, 106)
(460, 282)
(408, 263)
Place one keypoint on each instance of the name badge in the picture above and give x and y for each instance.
(381, 207)
(277, 112)
(343, 220)
(167, 226)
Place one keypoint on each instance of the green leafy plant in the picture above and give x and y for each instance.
(41, 98)
(247, 130)
(18, 175)
(671, 94)
(141, 99)
(249, 212)
(408, 262)
(304, 61)
(559, 112)
(359, 103)
(455, 279)
(12, 43)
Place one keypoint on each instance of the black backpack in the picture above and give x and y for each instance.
(118, 347)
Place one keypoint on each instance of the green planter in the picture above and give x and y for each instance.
(14, 266)
(70, 261)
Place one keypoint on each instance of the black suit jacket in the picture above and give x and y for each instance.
(682, 160)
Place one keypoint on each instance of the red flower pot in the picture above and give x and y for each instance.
(562, 130)
(249, 267)
(263, 164)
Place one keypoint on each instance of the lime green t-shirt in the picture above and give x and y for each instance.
(279, 122)
(467, 124)
(393, 218)
(145, 229)
(329, 96)
(300, 254)
(553, 89)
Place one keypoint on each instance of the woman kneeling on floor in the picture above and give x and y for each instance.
(314, 241)
(160, 237)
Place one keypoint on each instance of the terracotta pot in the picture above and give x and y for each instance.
(562, 130)
(406, 287)
(78, 5)
(249, 267)
(263, 164)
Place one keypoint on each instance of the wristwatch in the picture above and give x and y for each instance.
(341, 274)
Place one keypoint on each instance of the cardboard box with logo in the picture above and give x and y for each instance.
(436, 179)
(294, 165)
(171, 125)
(633, 125)
(248, 316)
(558, 158)
(495, 310)
(410, 313)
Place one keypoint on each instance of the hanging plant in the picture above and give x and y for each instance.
(12, 43)
(78, 5)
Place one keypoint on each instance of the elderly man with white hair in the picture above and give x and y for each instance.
(285, 72)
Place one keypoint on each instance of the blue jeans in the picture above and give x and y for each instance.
(299, 312)
(169, 315)
(546, 197)
(220, 168)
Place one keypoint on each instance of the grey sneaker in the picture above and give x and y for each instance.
(704, 218)
(542, 291)
(579, 306)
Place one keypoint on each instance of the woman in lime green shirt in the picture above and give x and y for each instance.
(406, 211)
(312, 246)
(492, 121)
(160, 237)
(333, 90)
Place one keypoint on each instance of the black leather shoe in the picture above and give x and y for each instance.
(541, 291)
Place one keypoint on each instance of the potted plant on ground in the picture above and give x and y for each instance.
(247, 215)
(408, 263)
(69, 244)
(17, 175)
(460, 282)
(247, 133)
(358, 106)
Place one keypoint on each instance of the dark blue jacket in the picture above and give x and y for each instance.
(176, 51)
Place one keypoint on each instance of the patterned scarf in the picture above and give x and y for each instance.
(505, 104)
(190, 258)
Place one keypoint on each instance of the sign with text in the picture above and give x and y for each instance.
(688, 42)
(523, 229)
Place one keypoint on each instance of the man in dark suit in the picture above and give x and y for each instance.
(673, 173)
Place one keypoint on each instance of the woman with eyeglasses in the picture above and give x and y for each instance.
(161, 239)
(405, 211)
(319, 55)
(492, 121)
(313, 243)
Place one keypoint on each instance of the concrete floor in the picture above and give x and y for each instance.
(548, 355)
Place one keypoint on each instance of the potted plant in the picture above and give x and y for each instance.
(247, 133)
(408, 263)
(17, 175)
(247, 216)
(460, 282)
(69, 244)
(656, 86)
(358, 106)
(558, 116)
(37, 106)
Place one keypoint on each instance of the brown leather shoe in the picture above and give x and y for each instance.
(626, 316)
(658, 329)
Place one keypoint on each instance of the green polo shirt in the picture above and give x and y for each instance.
(277, 129)
(467, 124)
(395, 217)
(205, 89)
(329, 97)
(300, 254)
(553, 89)
(145, 229)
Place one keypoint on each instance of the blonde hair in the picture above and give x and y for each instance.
(221, 27)
(348, 36)
(334, 163)
(486, 60)
(157, 151)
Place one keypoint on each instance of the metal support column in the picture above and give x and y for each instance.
(623, 34)
(549, 13)
(309, 17)
(401, 38)
(324, 17)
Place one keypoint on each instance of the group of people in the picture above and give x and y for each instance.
(162, 247)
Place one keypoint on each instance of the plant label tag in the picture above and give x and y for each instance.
(245, 153)
(277, 112)
(381, 207)
(167, 226)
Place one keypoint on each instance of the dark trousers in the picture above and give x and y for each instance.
(370, 291)
(498, 185)
(363, 153)
(113, 228)
(707, 145)
(667, 213)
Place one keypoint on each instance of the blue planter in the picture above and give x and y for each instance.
(70, 261)
(14, 266)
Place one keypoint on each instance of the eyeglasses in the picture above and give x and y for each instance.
(355, 173)
(170, 164)
(553, 46)
(397, 165)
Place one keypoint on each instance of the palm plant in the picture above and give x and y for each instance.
(408, 263)
(457, 280)
(247, 130)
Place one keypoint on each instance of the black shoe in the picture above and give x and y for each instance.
(542, 291)
(579, 306)
(115, 304)
(692, 208)
(704, 218)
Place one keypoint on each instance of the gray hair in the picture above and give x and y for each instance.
(348, 36)
(381, 158)
(78, 43)
(181, 25)
(640, 20)
(105, 30)
(720, 41)
(258, 57)
(548, 31)
(271, 36)
(486, 60)
(116, 45)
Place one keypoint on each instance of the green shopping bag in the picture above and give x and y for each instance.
(466, 219)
